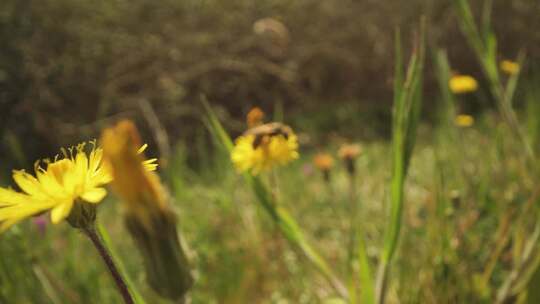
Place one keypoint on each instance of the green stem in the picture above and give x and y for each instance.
(352, 238)
(108, 244)
(121, 285)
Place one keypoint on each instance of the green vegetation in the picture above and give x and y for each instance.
(443, 211)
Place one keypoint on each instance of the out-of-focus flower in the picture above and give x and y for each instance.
(348, 153)
(149, 217)
(69, 186)
(323, 161)
(464, 120)
(263, 147)
(460, 84)
(509, 67)
(255, 117)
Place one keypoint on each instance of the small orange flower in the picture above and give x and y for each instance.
(349, 151)
(323, 161)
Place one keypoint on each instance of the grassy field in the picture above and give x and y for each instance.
(470, 201)
(439, 212)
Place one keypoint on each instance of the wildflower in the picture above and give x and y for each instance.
(263, 147)
(348, 153)
(324, 162)
(460, 84)
(149, 217)
(464, 120)
(509, 67)
(69, 186)
(255, 117)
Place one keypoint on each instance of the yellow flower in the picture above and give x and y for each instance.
(149, 217)
(460, 84)
(138, 188)
(464, 120)
(256, 152)
(58, 185)
(509, 67)
(323, 161)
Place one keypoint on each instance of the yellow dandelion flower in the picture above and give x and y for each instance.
(460, 84)
(263, 147)
(323, 161)
(464, 120)
(509, 67)
(59, 185)
(255, 117)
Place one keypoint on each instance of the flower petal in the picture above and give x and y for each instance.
(10, 197)
(28, 183)
(94, 195)
(61, 211)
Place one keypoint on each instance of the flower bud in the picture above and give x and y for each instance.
(149, 217)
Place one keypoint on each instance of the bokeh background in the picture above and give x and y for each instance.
(67, 68)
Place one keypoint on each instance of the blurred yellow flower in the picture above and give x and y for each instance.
(464, 120)
(509, 67)
(138, 188)
(77, 177)
(460, 84)
(255, 117)
(149, 217)
(323, 161)
(261, 148)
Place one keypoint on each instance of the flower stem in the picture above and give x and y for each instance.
(96, 239)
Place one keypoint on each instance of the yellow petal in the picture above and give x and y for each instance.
(61, 211)
(10, 197)
(94, 195)
(28, 183)
(94, 160)
(13, 214)
(142, 148)
(49, 184)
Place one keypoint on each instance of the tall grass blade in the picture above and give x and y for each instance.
(407, 106)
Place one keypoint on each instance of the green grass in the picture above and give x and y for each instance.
(240, 256)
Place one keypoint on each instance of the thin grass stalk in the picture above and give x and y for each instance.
(353, 218)
(528, 258)
(407, 97)
(485, 48)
